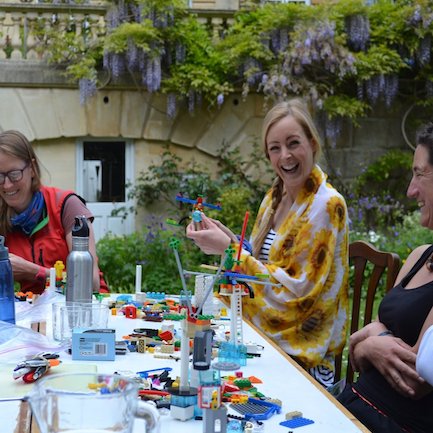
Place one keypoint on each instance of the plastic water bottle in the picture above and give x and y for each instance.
(79, 264)
(7, 296)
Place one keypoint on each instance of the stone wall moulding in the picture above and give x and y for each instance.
(13, 113)
(43, 114)
(227, 124)
(189, 128)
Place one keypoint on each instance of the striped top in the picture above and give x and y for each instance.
(264, 252)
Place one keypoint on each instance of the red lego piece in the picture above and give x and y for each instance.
(166, 336)
(130, 312)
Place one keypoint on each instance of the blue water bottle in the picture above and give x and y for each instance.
(7, 296)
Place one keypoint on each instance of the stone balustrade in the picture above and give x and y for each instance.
(25, 24)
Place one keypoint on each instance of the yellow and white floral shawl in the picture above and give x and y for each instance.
(307, 315)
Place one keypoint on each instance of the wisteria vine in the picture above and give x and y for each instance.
(342, 53)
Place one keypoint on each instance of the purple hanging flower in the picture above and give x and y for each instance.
(358, 31)
(220, 99)
(391, 89)
(171, 105)
(87, 89)
(191, 100)
(424, 50)
(132, 55)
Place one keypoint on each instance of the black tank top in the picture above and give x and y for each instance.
(403, 312)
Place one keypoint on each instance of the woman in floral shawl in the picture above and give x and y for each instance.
(300, 239)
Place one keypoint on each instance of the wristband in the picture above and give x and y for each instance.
(384, 333)
(41, 275)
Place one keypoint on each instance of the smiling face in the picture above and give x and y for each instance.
(421, 185)
(291, 153)
(17, 195)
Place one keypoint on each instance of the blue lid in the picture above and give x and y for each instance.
(4, 252)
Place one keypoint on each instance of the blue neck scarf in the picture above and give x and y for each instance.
(29, 218)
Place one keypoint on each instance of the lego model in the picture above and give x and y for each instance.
(197, 210)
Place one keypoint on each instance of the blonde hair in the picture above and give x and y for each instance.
(299, 111)
(15, 144)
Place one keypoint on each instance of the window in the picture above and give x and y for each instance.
(104, 171)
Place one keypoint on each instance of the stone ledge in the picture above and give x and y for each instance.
(31, 73)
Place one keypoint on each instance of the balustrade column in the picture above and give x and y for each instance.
(217, 27)
(2, 35)
(15, 36)
(30, 41)
(63, 22)
(78, 19)
(47, 19)
(97, 26)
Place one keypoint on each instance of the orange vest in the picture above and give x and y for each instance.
(48, 244)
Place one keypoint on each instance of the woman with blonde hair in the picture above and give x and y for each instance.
(300, 239)
(36, 220)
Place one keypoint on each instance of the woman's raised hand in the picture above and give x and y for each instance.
(211, 239)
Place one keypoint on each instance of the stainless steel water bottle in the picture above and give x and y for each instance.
(7, 295)
(79, 264)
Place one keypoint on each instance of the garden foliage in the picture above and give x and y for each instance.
(344, 57)
(239, 183)
(231, 186)
(379, 213)
(150, 248)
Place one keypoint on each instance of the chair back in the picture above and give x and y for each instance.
(360, 254)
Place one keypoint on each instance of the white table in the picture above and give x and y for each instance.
(282, 378)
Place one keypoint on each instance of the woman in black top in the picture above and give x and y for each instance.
(390, 396)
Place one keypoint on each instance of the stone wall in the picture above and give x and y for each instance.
(52, 115)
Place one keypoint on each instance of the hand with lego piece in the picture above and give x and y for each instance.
(211, 239)
(197, 219)
(225, 229)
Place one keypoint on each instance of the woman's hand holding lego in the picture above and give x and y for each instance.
(212, 239)
(225, 229)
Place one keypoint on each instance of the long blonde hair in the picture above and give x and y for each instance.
(15, 144)
(299, 111)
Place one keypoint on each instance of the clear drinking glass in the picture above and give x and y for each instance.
(70, 315)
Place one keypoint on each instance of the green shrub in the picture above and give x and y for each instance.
(403, 238)
(238, 185)
(377, 199)
(119, 255)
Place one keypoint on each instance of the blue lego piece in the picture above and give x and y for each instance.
(157, 296)
(197, 216)
(229, 352)
(235, 275)
(191, 201)
(256, 409)
(127, 299)
(183, 400)
(147, 373)
(296, 422)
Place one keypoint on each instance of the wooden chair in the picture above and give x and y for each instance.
(361, 253)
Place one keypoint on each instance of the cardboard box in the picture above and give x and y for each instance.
(93, 344)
